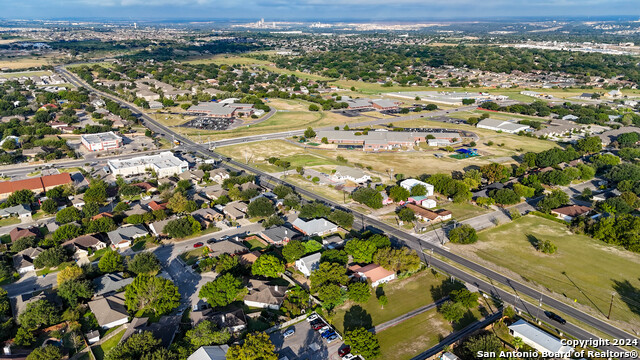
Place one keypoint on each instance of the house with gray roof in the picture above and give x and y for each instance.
(110, 311)
(308, 264)
(263, 295)
(20, 210)
(278, 235)
(319, 227)
(123, 237)
(227, 247)
(214, 352)
(23, 261)
(110, 283)
(347, 173)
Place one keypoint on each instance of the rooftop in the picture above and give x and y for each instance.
(163, 160)
(101, 137)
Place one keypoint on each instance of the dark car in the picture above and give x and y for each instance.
(556, 317)
(211, 241)
(344, 351)
(197, 245)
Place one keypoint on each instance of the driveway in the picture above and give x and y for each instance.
(297, 345)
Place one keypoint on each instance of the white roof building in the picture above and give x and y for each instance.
(410, 183)
(314, 227)
(351, 174)
(538, 339)
(164, 164)
(215, 352)
(504, 126)
(308, 264)
(101, 141)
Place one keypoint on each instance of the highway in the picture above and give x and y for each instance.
(363, 221)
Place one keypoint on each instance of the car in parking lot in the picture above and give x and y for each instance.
(344, 351)
(348, 357)
(289, 332)
(317, 326)
(312, 317)
(332, 338)
(328, 333)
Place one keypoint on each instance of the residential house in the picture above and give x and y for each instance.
(23, 261)
(19, 303)
(93, 337)
(308, 264)
(157, 227)
(22, 211)
(153, 206)
(207, 216)
(423, 201)
(263, 295)
(347, 173)
(319, 227)
(214, 352)
(428, 215)
(249, 186)
(333, 242)
(77, 201)
(219, 175)
(227, 247)
(146, 187)
(83, 244)
(235, 210)
(234, 320)
(110, 283)
(19, 233)
(569, 212)
(164, 329)
(538, 339)
(123, 237)
(372, 272)
(278, 235)
(410, 183)
(214, 192)
(110, 311)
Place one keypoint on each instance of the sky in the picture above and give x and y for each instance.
(310, 10)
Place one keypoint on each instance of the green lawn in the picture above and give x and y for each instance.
(254, 244)
(404, 295)
(54, 269)
(583, 270)
(413, 336)
(103, 349)
(464, 211)
(190, 257)
(9, 221)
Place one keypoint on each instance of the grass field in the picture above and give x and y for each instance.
(583, 269)
(26, 73)
(413, 336)
(23, 62)
(464, 211)
(404, 295)
(103, 349)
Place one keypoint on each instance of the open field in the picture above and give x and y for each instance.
(24, 62)
(413, 336)
(404, 295)
(9, 75)
(464, 211)
(583, 269)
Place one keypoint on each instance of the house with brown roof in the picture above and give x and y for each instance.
(226, 247)
(23, 261)
(83, 244)
(19, 233)
(207, 216)
(263, 295)
(429, 215)
(569, 212)
(374, 273)
(145, 186)
(153, 205)
(101, 215)
(110, 311)
(235, 210)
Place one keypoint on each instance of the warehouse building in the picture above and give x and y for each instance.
(383, 140)
(101, 141)
(504, 126)
(164, 164)
(226, 110)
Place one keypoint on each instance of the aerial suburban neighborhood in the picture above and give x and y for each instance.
(180, 183)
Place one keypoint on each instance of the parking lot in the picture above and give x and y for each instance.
(210, 123)
(300, 344)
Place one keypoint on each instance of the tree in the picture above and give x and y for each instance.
(452, 311)
(465, 297)
(553, 200)
(342, 218)
(546, 246)
(144, 262)
(505, 196)
(268, 266)
(66, 232)
(463, 234)
(206, 333)
(335, 256)
(91, 209)
(134, 347)
(406, 214)
(293, 250)
(222, 291)
(5, 304)
(104, 224)
(524, 191)
(68, 214)
(482, 343)
(49, 206)
(485, 201)
(495, 172)
(256, 346)
(589, 145)
(50, 258)
(260, 207)
(363, 343)
(20, 197)
(402, 260)
(110, 262)
(178, 203)
(314, 107)
(37, 314)
(23, 243)
(359, 292)
(48, 352)
(398, 193)
(361, 250)
(24, 337)
(273, 220)
(368, 196)
(309, 133)
(151, 293)
(72, 272)
(74, 290)
(418, 190)
(328, 273)
(517, 342)
(97, 192)
(330, 295)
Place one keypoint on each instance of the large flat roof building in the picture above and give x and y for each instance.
(504, 126)
(382, 140)
(37, 185)
(101, 141)
(225, 110)
(164, 164)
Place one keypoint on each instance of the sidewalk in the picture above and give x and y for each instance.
(407, 316)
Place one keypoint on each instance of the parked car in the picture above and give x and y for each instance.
(289, 332)
(317, 326)
(332, 338)
(556, 317)
(344, 351)
(348, 357)
(198, 244)
(312, 317)
(328, 333)
(211, 241)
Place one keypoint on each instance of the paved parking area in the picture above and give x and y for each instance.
(298, 345)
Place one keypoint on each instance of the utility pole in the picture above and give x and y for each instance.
(611, 305)
(539, 306)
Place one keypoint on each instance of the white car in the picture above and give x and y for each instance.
(348, 357)
(323, 329)
(312, 317)
(289, 332)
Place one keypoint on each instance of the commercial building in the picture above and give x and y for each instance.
(383, 140)
(101, 141)
(538, 339)
(447, 97)
(164, 164)
(504, 126)
(319, 227)
(37, 185)
(226, 110)
(410, 183)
